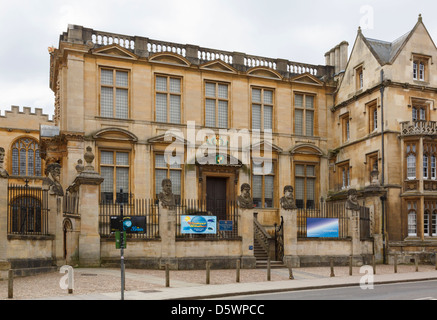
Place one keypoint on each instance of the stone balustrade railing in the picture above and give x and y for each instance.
(409, 128)
(144, 47)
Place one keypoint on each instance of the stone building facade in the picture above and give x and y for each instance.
(212, 120)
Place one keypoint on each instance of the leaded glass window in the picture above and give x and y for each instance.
(26, 160)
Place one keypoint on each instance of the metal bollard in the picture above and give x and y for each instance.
(290, 272)
(269, 277)
(238, 271)
(416, 262)
(350, 265)
(167, 275)
(395, 263)
(208, 272)
(10, 284)
(374, 264)
(332, 267)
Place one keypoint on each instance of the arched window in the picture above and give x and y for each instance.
(426, 226)
(434, 224)
(412, 223)
(26, 160)
(25, 216)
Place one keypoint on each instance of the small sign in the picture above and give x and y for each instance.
(226, 225)
(129, 224)
(118, 239)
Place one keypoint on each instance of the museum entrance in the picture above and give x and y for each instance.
(216, 196)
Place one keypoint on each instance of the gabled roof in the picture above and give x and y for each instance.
(387, 52)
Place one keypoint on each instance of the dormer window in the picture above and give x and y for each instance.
(420, 66)
(359, 77)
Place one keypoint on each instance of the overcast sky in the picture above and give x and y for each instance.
(301, 31)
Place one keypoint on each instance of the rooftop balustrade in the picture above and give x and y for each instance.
(145, 47)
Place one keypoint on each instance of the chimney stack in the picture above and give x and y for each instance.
(337, 57)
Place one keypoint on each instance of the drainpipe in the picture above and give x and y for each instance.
(383, 198)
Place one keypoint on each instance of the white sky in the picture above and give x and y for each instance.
(301, 31)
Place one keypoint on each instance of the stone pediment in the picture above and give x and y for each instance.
(169, 58)
(218, 65)
(115, 50)
(307, 149)
(115, 134)
(306, 78)
(167, 138)
(264, 72)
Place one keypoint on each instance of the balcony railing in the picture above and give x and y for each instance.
(413, 128)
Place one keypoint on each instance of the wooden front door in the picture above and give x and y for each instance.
(216, 197)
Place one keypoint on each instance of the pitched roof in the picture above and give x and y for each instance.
(386, 52)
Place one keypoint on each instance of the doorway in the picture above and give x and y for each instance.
(216, 196)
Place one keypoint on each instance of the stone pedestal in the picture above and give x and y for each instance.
(354, 233)
(246, 231)
(88, 182)
(291, 259)
(167, 231)
(55, 226)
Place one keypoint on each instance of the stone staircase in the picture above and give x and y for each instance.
(261, 257)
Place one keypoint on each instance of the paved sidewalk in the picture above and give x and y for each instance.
(150, 285)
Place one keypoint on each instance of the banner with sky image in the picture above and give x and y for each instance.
(322, 227)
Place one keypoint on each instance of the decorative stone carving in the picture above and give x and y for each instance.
(244, 200)
(374, 176)
(287, 201)
(3, 172)
(166, 197)
(86, 174)
(79, 166)
(89, 157)
(352, 202)
(53, 173)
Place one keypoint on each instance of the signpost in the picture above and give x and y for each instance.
(122, 226)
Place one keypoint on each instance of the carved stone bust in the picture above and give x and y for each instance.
(53, 172)
(3, 172)
(166, 197)
(244, 200)
(287, 201)
(352, 202)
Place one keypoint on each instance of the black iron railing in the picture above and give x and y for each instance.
(131, 208)
(323, 210)
(225, 215)
(27, 210)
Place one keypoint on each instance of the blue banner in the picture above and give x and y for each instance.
(198, 224)
(322, 227)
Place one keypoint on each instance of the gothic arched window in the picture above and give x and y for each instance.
(26, 160)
